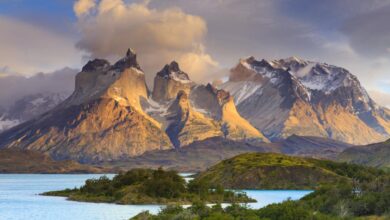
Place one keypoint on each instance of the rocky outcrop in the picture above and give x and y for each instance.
(219, 105)
(102, 120)
(196, 112)
(169, 81)
(186, 125)
(293, 96)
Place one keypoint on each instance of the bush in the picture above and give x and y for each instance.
(166, 184)
(101, 186)
(289, 210)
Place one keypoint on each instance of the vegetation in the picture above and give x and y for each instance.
(146, 186)
(277, 171)
(362, 199)
(363, 193)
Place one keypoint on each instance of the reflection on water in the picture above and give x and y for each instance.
(20, 199)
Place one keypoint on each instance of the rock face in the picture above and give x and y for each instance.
(169, 81)
(110, 115)
(219, 105)
(294, 96)
(186, 125)
(102, 120)
(196, 112)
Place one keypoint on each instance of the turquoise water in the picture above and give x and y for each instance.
(20, 199)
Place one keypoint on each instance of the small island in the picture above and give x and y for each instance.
(147, 186)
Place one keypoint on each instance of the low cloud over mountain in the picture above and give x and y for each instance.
(158, 35)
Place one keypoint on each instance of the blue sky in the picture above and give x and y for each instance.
(45, 35)
(54, 14)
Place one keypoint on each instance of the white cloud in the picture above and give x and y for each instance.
(83, 7)
(158, 35)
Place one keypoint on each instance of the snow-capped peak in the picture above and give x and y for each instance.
(172, 71)
(294, 59)
(312, 75)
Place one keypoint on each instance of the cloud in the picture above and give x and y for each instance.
(369, 33)
(260, 28)
(14, 87)
(157, 35)
(82, 7)
(28, 49)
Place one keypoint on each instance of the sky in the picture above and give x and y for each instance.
(206, 37)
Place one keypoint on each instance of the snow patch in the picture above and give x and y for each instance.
(179, 77)
(156, 108)
(7, 123)
(38, 101)
(241, 90)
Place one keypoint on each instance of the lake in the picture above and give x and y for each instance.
(20, 199)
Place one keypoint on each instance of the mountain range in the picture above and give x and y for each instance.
(295, 96)
(112, 115)
(29, 107)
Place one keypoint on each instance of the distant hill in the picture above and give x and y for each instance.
(192, 158)
(276, 171)
(308, 146)
(24, 161)
(375, 155)
(200, 155)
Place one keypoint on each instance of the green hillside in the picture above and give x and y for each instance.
(277, 171)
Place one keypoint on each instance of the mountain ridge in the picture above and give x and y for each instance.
(106, 119)
(294, 96)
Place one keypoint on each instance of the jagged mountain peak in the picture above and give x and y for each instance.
(293, 60)
(297, 96)
(124, 82)
(169, 81)
(172, 71)
(130, 52)
(252, 63)
(102, 120)
(130, 60)
(95, 65)
(313, 76)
